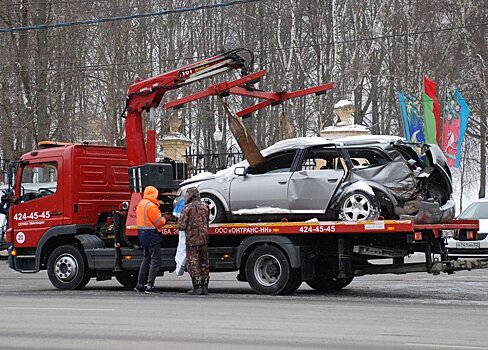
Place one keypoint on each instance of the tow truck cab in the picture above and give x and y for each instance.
(60, 191)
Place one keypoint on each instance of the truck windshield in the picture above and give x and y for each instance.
(38, 180)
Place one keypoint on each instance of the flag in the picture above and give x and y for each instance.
(412, 121)
(432, 116)
(455, 123)
(429, 119)
(401, 97)
(464, 113)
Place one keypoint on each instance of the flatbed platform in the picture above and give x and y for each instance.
(330, 227)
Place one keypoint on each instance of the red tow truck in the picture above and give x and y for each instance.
(72, 210)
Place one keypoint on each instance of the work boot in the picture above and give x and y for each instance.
(152, 290)
(204, 283)
(140, 288)
(197, 287)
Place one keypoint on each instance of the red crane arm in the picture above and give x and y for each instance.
(237, 87)
(147, 94)
(279, 97)
(223, 88)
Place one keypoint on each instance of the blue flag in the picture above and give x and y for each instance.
(412, 119)
(464, 116)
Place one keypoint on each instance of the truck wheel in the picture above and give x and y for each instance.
(217, 213)
(268, 271)
(324, 284)
(127, 278)
(67, 268)
(358, 205)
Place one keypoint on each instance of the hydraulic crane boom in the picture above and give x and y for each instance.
(146, 94)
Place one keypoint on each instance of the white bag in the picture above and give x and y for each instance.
(180, 257)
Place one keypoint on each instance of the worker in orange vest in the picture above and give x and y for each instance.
(150, 223)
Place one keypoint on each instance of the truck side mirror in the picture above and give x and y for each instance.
(240, 171)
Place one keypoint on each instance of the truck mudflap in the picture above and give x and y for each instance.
(436, 267)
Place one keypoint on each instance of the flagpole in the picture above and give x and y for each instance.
(462, 180)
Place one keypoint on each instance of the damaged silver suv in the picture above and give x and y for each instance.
(351, 179)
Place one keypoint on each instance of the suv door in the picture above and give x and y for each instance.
(315, 182)
(265, 186)
(39, 201)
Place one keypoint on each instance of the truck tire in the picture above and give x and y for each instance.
(127, 278)
(268, 271)
(324, 284)
(67, 268)
(217, 213)
(358, 205)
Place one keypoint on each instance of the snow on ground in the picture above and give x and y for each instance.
(463, 193)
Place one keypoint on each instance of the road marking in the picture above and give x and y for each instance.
(54, 309)
(446, 346)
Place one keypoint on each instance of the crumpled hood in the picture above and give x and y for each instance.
(192, 180)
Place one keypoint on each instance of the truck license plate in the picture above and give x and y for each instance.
(468, 245)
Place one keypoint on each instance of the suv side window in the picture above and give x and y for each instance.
(278, 163)
(321, 159)
(367, 157)
(38, 180)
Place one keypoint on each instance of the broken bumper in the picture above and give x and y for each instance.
(432, 213)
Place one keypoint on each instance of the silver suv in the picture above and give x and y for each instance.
(351, 179)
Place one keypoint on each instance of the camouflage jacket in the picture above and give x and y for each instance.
(194, 221)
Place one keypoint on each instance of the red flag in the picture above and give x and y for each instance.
(430, 88)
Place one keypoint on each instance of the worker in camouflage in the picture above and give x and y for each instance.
(194, 221)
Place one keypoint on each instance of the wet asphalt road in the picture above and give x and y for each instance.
(415, 311)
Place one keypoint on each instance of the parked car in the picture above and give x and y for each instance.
(351, 179)
(472, 249)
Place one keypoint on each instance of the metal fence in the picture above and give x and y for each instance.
(211, 162)
(3, 171)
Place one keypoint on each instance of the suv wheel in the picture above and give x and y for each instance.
(217, 213)
(358, 205)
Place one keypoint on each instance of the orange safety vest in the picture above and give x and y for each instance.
(148, 214)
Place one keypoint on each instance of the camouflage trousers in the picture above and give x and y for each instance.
(197, 261)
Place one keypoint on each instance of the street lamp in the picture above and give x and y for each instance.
(217, 135)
